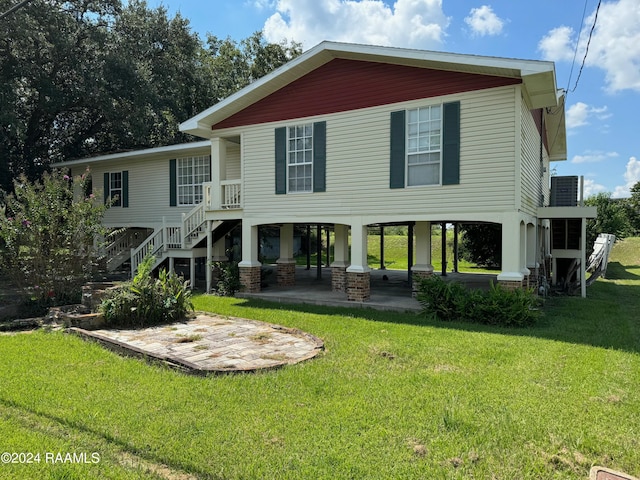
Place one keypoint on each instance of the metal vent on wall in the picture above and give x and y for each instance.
(564, 191)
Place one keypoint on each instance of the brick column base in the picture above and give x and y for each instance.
(358, 287)
(339, 279)
(286, 274)
(511, 284)
(250, 279)
(417, 276)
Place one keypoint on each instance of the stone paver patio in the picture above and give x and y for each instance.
(212, 344)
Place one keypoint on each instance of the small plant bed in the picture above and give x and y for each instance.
(451, 301)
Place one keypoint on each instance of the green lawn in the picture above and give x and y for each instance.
(393, 396)
(396, 253)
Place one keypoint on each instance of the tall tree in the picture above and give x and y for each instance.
(612, 217)
(92, 76)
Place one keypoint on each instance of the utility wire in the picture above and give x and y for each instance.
(575, 52)
(14, 8)
(586, 52)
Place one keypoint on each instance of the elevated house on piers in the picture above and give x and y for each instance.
(351, 136)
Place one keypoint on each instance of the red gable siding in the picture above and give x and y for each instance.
(342, 85)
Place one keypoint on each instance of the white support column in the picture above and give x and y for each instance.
(249, 246)
(209, 259)
(512, 263)
(250, 267)
(422, 231)
(218, 170)
(359, 262)
(192, 273)
(341, 246)
(286, 243)
(172, 264)
(340, 258)
(358, 273)
(286, 271)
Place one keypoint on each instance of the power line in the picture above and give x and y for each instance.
(586, 52)
(14, 8)
(575, 52)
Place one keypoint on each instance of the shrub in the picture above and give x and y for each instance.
(47, 234)
(449, 301)
(229, 281)
(146, 300)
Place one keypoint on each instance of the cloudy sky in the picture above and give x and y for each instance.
(603, 130)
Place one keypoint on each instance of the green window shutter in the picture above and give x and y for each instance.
(125, 189)
(105, 187)
(451, 144)
(320, 157)
(173, 183)
(281, 160)
(398, 141)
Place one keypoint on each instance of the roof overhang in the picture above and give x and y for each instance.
(556, 130)
(538, 77)
(146, 154)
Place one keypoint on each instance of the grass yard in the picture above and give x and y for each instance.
(393, 396)
(396, 253)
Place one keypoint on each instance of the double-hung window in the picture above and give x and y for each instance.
(192, 173)
(300, 158)
(115, 188)
(424, 145)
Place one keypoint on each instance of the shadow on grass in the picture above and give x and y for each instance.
(617, 271)
(607, 318)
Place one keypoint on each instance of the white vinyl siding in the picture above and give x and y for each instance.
(192, 173)
(532, 173)
(424, 145)
(358, 163)
(148, 191)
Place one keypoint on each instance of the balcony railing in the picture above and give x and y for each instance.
(226, 196)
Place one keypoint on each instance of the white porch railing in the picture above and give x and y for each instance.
(153, 245)
(225, 197)
(230, 194)
(193, 224)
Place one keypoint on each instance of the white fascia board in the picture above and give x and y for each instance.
(542, 74)
(181, 148)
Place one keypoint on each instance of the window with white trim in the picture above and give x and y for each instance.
(424, 145)
(192, 173)
(115, 188)
(300, 158)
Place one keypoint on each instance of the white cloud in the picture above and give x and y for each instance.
(483, 21)
(579, 114)
(263, 4)
(409, 23)
(615, 45)
(591, 187)
(593, 156)
(631, 177)
(558, 44)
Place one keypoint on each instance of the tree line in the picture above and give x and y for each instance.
(83, 77)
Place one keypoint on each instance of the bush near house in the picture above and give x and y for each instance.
(451, 301)
(47, 232)
(147, 300)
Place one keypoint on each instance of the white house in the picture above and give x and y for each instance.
(351, 136)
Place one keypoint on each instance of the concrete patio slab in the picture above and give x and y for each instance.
(210, 344)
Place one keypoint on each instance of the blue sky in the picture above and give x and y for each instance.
(603, 131)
